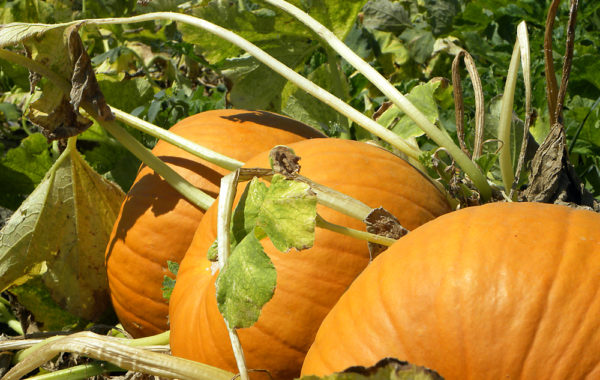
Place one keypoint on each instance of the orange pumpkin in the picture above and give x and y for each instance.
(501, 291)
(308, 282)
(156, 223)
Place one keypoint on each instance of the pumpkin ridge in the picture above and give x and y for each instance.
(412, 201)
(147, 298)
(581, 325)
(127, 310)
(386, 308)
(544, 312)
(283, 342)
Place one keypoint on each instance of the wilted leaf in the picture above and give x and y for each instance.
(60, 232)
(385, 369)
(34, 296)
(288, 214)
(246, 283)
(14, 33)
(59, 48)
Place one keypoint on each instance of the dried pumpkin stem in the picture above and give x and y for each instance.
(361, 235)
(479, 101)
(551, 85)
(170, 137)
(394, 95)
(114, 350)
(567, 60)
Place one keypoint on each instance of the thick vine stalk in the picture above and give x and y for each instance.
(160, 133)
(224, 209)
(326, 97)
(124, 356)
(394, 95)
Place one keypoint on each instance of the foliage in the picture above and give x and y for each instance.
(165, 71)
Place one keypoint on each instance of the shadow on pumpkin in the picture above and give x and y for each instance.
(270, 120)
(152, 192)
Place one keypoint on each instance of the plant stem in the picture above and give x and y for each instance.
(361, 235)
(551, 85)
(124, 356)
(190, 192)
(506, 113)
(154, 340)
(79, 372)
(394, 95)
(225, 204)
(305, 84)
(170, 137)
(7, 317)
(520, 52)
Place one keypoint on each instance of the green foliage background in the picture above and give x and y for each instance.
(164, 71)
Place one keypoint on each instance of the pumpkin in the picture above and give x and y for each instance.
(501, 291)
(308, 282)
(156, 224)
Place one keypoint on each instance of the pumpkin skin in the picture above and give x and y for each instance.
(501, 291)
(308, 282)
(156, 223)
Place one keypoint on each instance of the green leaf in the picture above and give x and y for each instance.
(256, 86)
(22, 168)
(60, 232)
(441, 14)
(430, 98)
(420, 43)
(288, 214)
(386, 16)
(246, 283)
(168, 282)
(126, 95)
(301, 106)
(245, 215)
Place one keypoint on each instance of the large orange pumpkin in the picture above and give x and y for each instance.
(501, 291)
(308, 282)
(156, 223)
